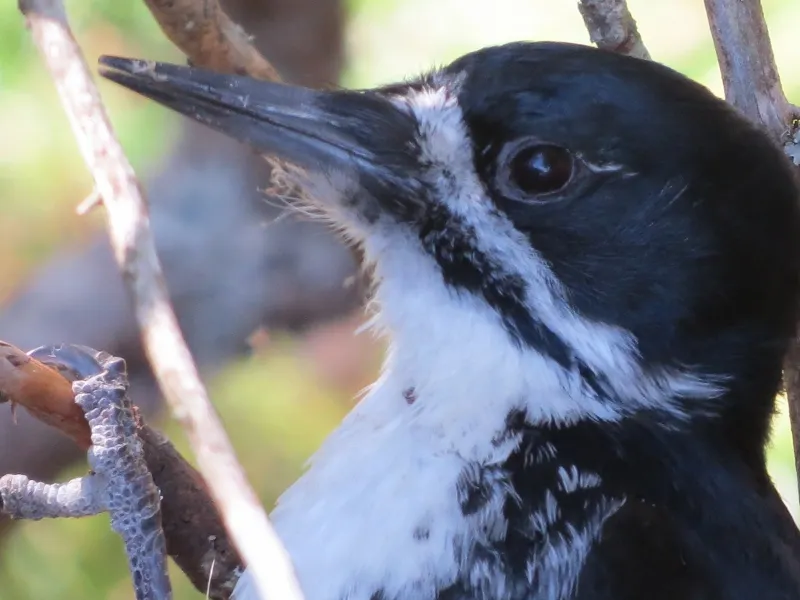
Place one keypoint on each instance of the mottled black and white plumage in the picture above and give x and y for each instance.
(587, 268)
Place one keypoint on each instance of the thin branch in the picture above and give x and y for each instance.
(169, 357)
(47, 396)
(196, 537)
(209, 38)
(611, 27)
(277, 273)
(752, 84)
(791, 378)
(747, 64)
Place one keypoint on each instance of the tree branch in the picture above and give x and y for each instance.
(43, 392)
(209, 38)
(747, 64)
(169, 357)
(791, 376)
(752, 84)
(611, 27)
(279, 271)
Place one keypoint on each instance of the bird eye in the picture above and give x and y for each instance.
(541, 169)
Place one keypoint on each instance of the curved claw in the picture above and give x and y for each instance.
(72, 361)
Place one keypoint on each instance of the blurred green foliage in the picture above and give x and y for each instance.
(275, 406)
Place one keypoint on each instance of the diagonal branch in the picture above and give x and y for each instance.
(134, 251)
(223, 287)
(209, 38)
(747, 64)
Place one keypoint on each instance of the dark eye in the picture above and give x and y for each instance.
(541, 169)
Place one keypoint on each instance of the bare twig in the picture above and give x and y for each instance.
(747, 64)
(196, 537)
(209, 38)
(169, 357)
(791, 378)
(278, 273)
(611, 27)
(89, 203)
(752, 84)
(44, 393)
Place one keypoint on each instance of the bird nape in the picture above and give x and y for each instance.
(586, 266)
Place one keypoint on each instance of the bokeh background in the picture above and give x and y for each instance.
(253, 266)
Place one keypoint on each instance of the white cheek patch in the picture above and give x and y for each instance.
(453, 349)
(608, 350)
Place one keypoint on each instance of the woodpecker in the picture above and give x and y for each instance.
(586, 266)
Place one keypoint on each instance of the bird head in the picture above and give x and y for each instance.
(602, 213)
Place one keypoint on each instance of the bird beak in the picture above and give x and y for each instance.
(361, 134)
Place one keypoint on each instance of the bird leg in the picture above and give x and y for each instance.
(119, 482)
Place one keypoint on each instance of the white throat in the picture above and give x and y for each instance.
(378, 507)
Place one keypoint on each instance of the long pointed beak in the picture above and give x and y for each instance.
(361, 133)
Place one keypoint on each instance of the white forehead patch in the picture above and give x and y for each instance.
(443, 139)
